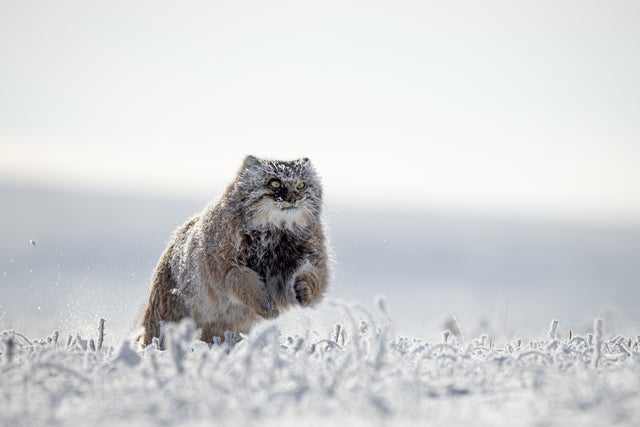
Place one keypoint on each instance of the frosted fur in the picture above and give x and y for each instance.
(257, 251)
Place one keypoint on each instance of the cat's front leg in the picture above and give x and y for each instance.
(249, 289)
(308, 285)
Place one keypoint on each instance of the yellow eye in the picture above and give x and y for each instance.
(275, 184)
(301, 186)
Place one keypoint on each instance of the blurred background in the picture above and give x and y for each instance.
(480, 159)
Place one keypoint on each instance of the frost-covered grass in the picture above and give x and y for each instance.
(355, 374)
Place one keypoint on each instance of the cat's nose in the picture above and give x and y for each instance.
(291, 198)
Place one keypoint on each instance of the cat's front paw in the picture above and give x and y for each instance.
(302, 291)
(267, 307)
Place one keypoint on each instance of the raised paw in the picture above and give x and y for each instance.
(302, 292)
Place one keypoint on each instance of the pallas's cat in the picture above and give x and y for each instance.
(257, 251)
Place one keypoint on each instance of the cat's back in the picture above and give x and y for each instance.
(202, 235)
(181, 247)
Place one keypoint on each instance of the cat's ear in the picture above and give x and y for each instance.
(304, 161)
(251, 162)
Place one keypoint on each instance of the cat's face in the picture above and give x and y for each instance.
(279, 194)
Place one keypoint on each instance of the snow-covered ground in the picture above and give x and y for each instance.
(358, 373)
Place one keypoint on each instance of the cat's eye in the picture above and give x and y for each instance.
(275, 184)
(301, 186)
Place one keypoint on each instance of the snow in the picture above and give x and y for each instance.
(357, 373)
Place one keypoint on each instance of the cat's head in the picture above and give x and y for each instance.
(278, 194)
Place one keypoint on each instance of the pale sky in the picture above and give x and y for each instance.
(506, 107)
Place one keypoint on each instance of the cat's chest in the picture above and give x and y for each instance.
(275, 254)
